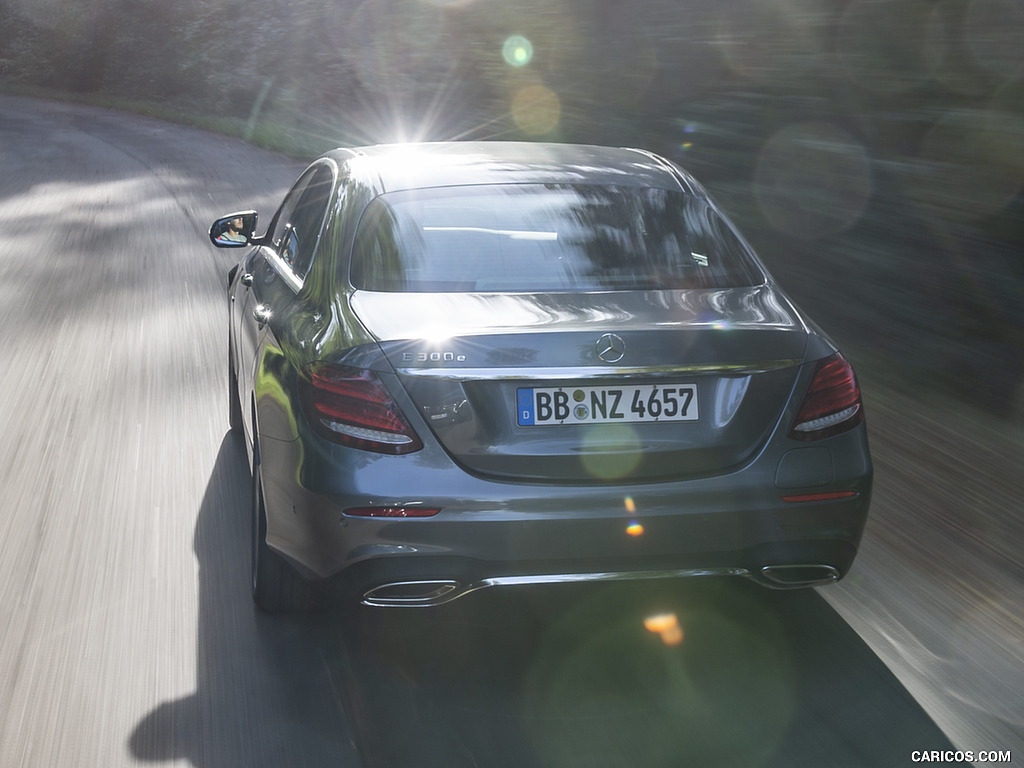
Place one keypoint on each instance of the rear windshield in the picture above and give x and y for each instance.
(546, 238)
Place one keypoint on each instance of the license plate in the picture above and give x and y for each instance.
(546, 406)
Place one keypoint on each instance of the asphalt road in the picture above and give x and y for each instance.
(127, 635)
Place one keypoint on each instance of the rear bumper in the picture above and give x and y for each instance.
(503, 534)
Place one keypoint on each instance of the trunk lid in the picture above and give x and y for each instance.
(593, 387)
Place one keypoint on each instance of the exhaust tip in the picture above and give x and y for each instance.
(796, 576)
(412, 593)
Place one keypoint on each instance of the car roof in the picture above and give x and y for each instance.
(393, 167)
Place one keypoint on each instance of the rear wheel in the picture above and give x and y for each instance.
(276, 587)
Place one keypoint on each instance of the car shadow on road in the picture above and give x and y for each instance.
(709, 673)
(263, 696)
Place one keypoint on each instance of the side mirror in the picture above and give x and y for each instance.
(235, 230)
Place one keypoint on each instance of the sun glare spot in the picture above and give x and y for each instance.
(436, 333)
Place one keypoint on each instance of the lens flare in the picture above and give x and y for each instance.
(597, 662)
(536, 110)
(611, 451)
(993, 30)
(666, 625)
(884, 47)
(517, 51)
(635, 529)
(812, 179)
(970, 166)
(630, 505)
(759, 39)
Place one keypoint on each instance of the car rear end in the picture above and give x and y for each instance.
(570, 382)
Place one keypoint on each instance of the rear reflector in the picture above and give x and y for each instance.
(350, 406)
(392, 511)
(832, 403)
(832, 496)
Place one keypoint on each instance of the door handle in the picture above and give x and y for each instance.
(261, 313)
(246, 279)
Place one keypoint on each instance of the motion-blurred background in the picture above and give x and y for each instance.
(872, 151)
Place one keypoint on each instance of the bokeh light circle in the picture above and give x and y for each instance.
(759, 39)
(994, 30)
(884, 47)
(536, 110)
(1009, 98)
(977, 44)
(611, 451)
(954, 67)
(812, 179)
(971, 165)
(517, 51)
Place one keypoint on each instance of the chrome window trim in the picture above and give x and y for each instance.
(281, 267)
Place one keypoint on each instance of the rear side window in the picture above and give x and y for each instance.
(295, 230)
(546, 238)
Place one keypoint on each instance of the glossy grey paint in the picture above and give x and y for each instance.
(515, 503)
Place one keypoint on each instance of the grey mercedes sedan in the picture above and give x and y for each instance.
(467, 365)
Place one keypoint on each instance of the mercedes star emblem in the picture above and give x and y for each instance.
(611, 348)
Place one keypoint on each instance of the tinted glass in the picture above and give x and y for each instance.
(296, 228)
(307, 220)
(530, 238)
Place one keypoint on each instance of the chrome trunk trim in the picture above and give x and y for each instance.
(594, 371)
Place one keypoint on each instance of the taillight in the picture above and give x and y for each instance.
(832, 403)
(350, 406)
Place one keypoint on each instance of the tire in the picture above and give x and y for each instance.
(276, 587)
